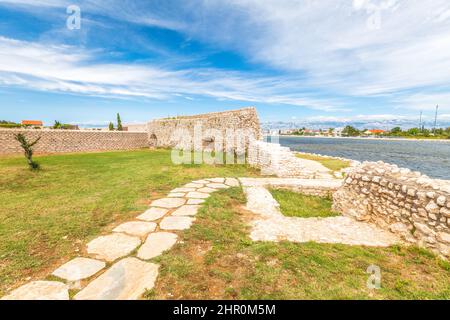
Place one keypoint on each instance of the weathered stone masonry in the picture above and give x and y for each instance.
(273, 159)
(405, 202)
(162, 131)
(59, 141)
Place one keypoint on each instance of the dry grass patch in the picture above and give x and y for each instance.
(330, 163)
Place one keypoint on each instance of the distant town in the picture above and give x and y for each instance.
(347, 131)
(350, 131)
(39, 125)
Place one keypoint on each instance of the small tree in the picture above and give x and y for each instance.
(396, 131)
(119, 123)
(27, 148)
(57, 125)
(350, 131)
(111, 126)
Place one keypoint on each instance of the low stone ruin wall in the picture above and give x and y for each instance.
(60, 141)
(404, 202)
(273, 159)
(313, 187)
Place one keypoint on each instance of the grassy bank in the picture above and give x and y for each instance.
(218, 260)
(293, 204)
(330, 163)
(47, 216)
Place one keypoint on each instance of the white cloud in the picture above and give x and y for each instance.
(331, 42)
(68, 69)
(426, 102)
(328, 43)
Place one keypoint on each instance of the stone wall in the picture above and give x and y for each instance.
(404, 202)
(137, 127)
(273, 159)
(198, 131)
(313, 187)
(59, 141)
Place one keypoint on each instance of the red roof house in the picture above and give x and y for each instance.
(36, 123)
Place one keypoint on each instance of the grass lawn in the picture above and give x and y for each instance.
(332, 164)
(218, 260)
(46, 217)
(293, 204)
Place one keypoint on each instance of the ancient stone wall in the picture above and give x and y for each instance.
(313, 187)
(59, 141)
(211, 130)
(273, 159)
(404, 202)
(137, 127)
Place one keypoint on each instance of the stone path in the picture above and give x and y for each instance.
(272, 225)
(128, 248)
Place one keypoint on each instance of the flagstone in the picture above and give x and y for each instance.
(201, 181)
(176, 195)
(183, 190)
(40, 290)
(136, 228)
(176, 223)
(156, 244)
(194, 185)
(169, 203)
(186, 210)
(195, 201)
(217, 186)
(113, 246)
(217, 180)
(127, 279)
(153, 214)
(232, 182)
(197, 195)
(79, 269)
(207, 190)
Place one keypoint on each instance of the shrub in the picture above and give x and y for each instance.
(10, 125)
(28, 150)
(119, 123)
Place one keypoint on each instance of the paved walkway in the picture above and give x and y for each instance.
(128, 249)
(117, 266)
(319, 170)
(272, 225)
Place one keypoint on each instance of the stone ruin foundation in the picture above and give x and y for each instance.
(406, 203)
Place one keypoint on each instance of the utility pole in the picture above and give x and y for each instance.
(420, 122)
(435, 119)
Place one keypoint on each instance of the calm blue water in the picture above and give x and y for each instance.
(429, 157)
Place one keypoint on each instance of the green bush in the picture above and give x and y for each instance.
(28, 150)
(10, 125)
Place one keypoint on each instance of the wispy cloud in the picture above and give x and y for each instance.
(68, 69)
(426, 101)
(314, 46)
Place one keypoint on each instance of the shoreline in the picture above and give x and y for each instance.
(363, 138)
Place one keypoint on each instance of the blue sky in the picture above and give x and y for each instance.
(327, 60)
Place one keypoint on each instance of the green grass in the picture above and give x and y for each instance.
(47, 216)
(218, 260)
(330, 163)
(293, 204)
